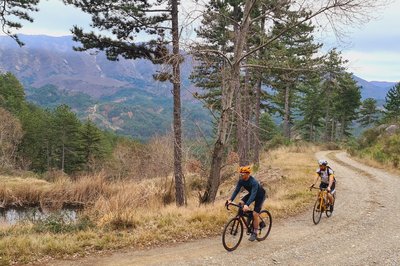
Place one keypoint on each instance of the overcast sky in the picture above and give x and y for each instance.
(373, 50)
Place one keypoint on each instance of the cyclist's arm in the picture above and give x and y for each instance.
(331, 178)
(237, 189)
(316, 178)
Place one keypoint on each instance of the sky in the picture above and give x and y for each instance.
(372, 49)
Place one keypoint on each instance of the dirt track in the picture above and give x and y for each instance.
(363, 230)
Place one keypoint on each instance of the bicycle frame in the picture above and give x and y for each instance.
(323, 198)
(321, 205)
(242, 214)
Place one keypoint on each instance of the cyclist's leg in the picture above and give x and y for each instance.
(258, 203)
(330, 196)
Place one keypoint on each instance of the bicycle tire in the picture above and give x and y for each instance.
(317, 212)
(233, 228)
(264, 232)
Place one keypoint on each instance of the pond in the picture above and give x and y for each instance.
(14, 215)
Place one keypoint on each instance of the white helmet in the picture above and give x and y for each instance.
(323, 162)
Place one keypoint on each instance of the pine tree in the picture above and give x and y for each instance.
(295, 51)
(93, 145)
(346, 101)
(311, 109)
(268, 128)
(68, 152)
(332, 70)
(369, 114)
(124, 21)
(36, 149)
(392, 105)
(12, 95)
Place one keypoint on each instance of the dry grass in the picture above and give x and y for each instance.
(291, 172)
(15, 191)
(132, 213)
(373, 163)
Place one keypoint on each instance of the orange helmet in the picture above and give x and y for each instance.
(245, 169)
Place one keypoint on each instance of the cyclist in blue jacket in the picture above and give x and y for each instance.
(256, 194)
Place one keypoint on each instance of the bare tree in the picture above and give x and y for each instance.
(10, 137)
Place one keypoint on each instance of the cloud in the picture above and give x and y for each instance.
(377, 66)
(55, 19)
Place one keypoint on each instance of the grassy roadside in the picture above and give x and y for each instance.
(132, 214)
(373, 163)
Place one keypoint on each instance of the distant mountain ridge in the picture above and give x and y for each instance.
(373, 89)
(51, 60)
(120, 95)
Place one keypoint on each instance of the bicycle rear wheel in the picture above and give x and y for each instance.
(232, 234)
(265, 225)
(317, 212)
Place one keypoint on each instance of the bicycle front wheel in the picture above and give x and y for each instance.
(317, 212)
(232, 234)
(265, 225)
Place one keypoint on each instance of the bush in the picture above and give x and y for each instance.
(57, 224)
(369, 138)
(276, 141)
(391, 146)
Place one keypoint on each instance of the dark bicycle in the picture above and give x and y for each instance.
(233, 230)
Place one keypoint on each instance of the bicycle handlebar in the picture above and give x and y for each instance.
(236, 205)
(322, 189)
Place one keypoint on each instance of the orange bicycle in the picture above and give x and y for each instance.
(321, 205)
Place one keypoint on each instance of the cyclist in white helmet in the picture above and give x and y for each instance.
(328, 180)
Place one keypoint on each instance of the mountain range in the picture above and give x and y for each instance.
(118, 95)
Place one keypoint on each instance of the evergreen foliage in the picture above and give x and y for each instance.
(52, 138)
(369, 114)
(12, 95)
(311, 108)
(124, 20)
(392, 105)
(268, 128)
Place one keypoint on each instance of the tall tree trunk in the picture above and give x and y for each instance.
(286, 117)
(243, 116)
(240, 126)
(179, 184)
(256, 129)
(63, 158)
(229, 90)
(257, 108)
(327, 127)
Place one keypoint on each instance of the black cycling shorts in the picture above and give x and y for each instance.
(258, 201)
(325, 185)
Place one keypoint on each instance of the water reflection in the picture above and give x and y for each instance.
(14, 215)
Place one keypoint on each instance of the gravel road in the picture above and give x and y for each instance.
(363, 230)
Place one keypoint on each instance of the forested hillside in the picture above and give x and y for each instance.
(121, 96)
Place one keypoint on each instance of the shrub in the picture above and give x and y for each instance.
(56, 223)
